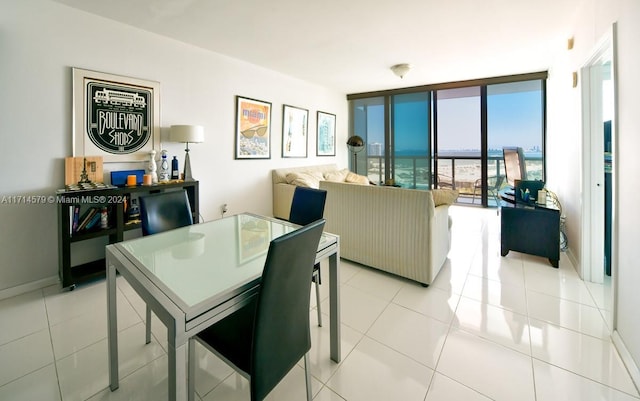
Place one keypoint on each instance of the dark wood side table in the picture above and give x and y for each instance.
(531, 229)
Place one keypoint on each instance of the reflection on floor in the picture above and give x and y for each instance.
(489, 328)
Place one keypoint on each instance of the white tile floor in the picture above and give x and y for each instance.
(489, 328)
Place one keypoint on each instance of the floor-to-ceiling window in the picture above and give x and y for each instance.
(411, 167)
(451, 135)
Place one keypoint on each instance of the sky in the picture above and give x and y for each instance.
(514, 119)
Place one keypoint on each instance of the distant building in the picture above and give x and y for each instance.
(376, 149)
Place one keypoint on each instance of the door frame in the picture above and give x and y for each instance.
(592, 183)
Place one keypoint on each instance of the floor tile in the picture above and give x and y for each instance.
(445, 389)
(25, 355)
(587, 356)
(556, 384)
(571, 315)
(358, 309)
(322, 367)
(26, 313)
(40, 385)
(431, 301)
(78, 332)
(417, 336)
(496, 324)
(374, 372)
(489, 368)
(377, 283)
(291, 388)
(507, 296)
(85, 372)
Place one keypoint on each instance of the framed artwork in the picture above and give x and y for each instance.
(326, 136)
(253, 129)
(294, 131)
(254, 236)
(115, 117)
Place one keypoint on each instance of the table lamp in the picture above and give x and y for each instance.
(186, 134)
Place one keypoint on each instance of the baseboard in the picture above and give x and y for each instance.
(32, 286)
(574, 261)
(627, 359)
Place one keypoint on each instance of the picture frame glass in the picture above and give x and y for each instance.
(115, 117)
(326, 135)
(294, 131)
(253, 129)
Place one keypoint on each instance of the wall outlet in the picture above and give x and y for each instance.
(223, 209)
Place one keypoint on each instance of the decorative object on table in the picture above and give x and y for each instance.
(75, 166)
(120, 178)
(355, 145)
(116, 117)
(326, 145)
(253, 129)
(153, 168)
(294, 131)
(175, 171)
(185, 134)
(164, 168)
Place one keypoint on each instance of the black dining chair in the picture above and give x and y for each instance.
(307, 206)
(161, 212)
(266, 338)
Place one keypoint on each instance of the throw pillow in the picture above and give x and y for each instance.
(444, 196)
(336, 176)
(306, 179)
(356, 179)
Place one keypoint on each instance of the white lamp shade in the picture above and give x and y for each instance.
(186, 133)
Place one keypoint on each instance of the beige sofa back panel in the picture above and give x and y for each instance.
(384, 227)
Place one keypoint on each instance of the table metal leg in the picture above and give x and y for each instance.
(178, 372)
(334, 306)
(112, 322)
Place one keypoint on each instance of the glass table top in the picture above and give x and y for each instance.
(211, 259)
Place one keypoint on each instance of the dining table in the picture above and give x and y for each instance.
(194, 276)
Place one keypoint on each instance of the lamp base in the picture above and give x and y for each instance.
(187, 167)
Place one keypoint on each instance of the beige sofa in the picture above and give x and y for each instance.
(400, 231)
(284, 185)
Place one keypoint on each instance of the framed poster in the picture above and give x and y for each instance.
(115, 117)
(253, 129)
(294, 131)
(326, 137)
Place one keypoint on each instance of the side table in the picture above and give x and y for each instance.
(531, 229)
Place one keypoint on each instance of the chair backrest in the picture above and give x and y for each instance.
(307, 205)
(164, 211)
(281, 334)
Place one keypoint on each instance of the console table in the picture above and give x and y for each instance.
(532, 229)
(114, 200)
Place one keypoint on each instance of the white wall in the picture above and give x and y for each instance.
(39, 43)
(590, 23)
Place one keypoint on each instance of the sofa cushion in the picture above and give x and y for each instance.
(356, 179)
(309, 179)
(337, 175)
(444, 196)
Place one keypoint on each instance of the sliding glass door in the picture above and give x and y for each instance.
(451, 135)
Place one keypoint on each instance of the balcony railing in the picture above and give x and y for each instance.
(461, 172)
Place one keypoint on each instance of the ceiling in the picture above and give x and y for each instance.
(349, 45)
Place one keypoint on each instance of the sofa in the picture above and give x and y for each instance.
(400, 231)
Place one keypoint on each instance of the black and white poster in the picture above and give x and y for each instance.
(115, 117)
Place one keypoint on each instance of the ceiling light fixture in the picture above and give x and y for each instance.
(401, 69)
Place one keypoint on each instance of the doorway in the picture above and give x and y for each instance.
(598, 165)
